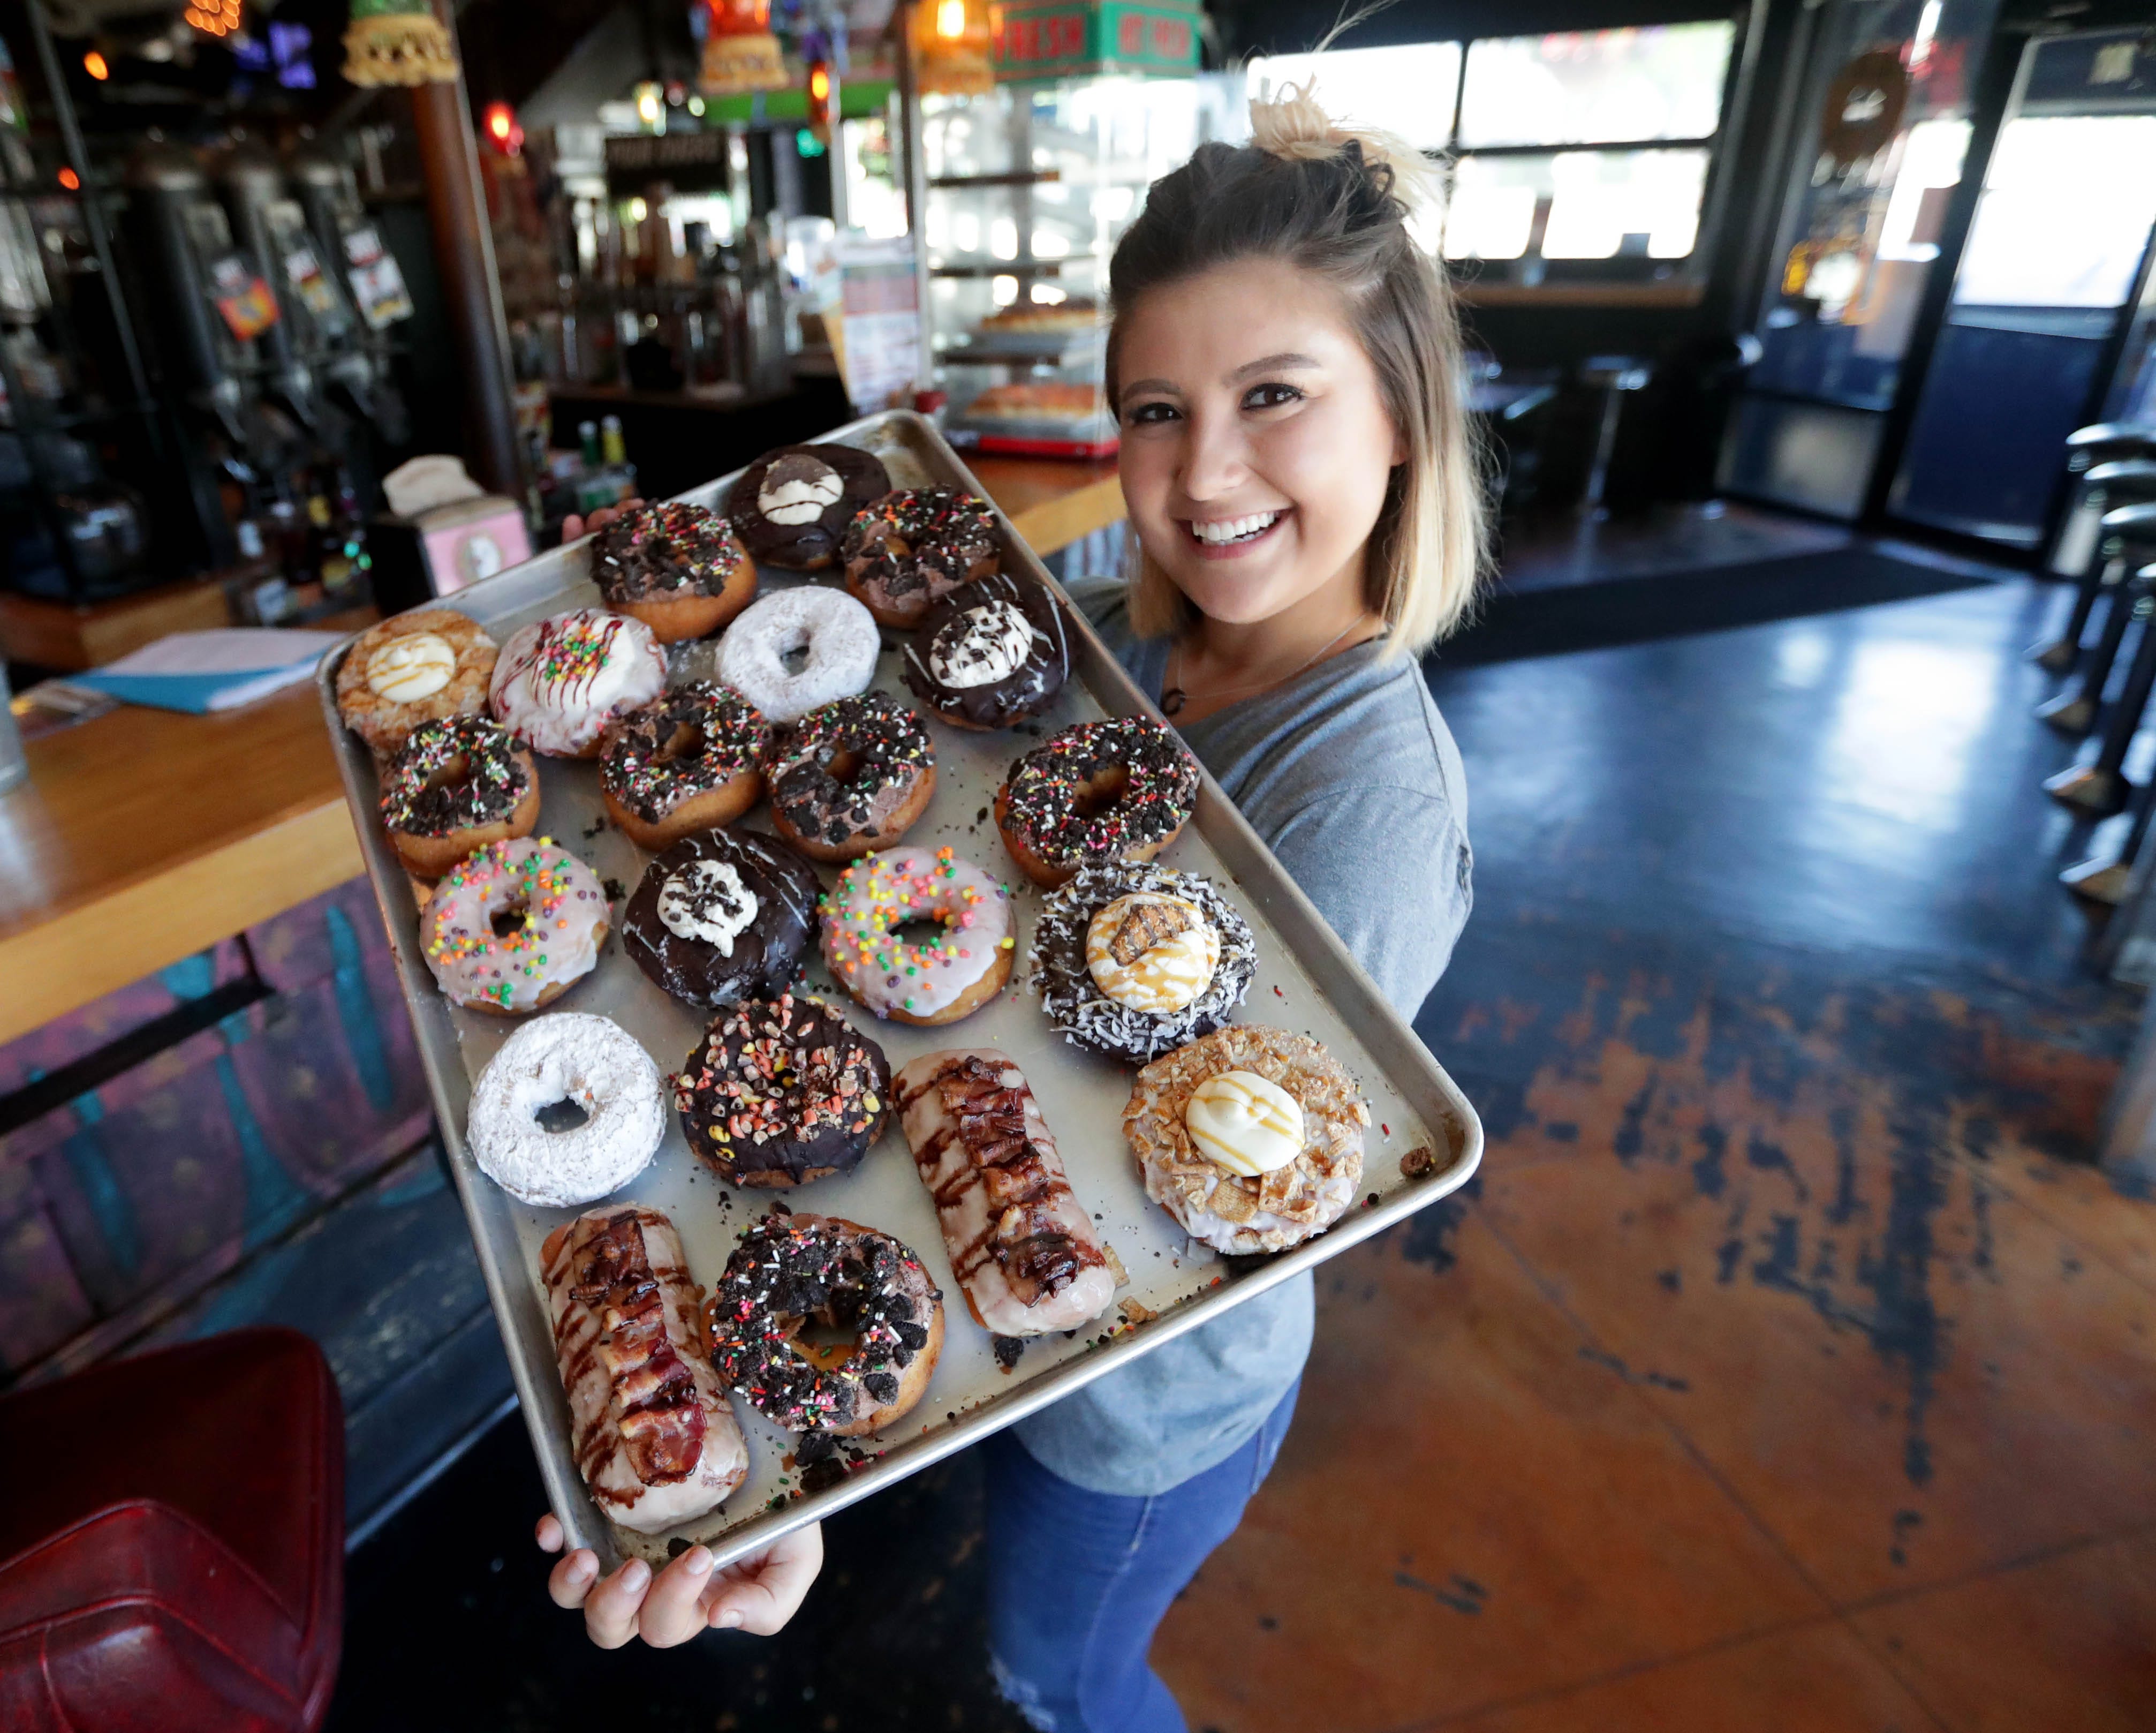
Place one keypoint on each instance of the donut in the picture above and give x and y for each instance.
(522, 1131)
(915, 545)
(961, 970)
(834, 630)
(720, 916)
(1250, 1138)
(789, 1270)
(457, 783)
(691, 759)
(675, 567)
(851, 778)
(781, 1092)
(1120, 789)
(792, 505)
(1131, 960)
(513, 926)
(989, 653)
(561, 680)
(429, 663)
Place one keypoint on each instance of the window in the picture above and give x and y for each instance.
(1409, 91)
(1596, 87)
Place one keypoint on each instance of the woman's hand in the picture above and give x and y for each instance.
(758, 1593)
(573, 526)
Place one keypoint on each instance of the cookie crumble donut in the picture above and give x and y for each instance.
(691, 759)
(783, 1092)
(949, 977)
(513, 927)
(851, 778)
(1250, 1138)
(791, 1270)
(915, 545)
(566, 1057)
(1134, 960)
(675, 567)
(792, 505)
(561, 680)
(415, 667)
(720, 916)
(836, 633)
(1120, 789)
(457, 783)
(990, 654)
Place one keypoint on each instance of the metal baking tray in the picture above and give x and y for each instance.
(1305, 981)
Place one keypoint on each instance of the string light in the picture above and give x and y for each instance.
(70, 180)
(93, 63)
(213, 18)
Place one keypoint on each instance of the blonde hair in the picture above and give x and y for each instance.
(1339, 202)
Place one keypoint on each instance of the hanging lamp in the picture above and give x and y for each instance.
(741, 54)
(398, 41)
(953, 47)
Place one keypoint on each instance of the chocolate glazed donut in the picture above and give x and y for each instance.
(720, 916)
(781, 1092)
(990, 654)
(792, 505)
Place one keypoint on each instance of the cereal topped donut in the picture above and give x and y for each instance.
(457, 783)
(990, 654)
(792, 505)
(949, 977)
(675, 567)
(833, 632)
(691, 759)
(413, 668)
(851, 778)
(720, 916)
(1132, 959)
(561, 680)
(514, 926)
(1120, 789)
(915, 545)
(1250, 1138)
(783, 1092)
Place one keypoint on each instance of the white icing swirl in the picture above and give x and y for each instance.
(408, 669)
(982, 645)
(798, 491)
(1168, 975)
(707, 900)
(1245, 1123)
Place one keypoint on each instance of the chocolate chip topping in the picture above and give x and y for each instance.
(657, 553)
(880, 746)
(455, 772)
(686, 742)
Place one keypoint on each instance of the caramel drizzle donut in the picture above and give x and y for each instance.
(790, 1268)
(780, 1092)
(843, 778)
(691, 740)
(915, 545)
(1149, 781)
(415, 667)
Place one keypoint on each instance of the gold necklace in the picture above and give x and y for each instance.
(1173, 697)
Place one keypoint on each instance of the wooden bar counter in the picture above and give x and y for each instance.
(144, 836)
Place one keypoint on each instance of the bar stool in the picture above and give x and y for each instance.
(2105, 879)
(2128, 543)
(2101, 788)
(1616, 377)
(2082, 553)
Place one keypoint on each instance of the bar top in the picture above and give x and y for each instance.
(144, 836)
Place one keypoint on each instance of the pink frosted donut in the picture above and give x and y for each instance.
(953, 974)
(560, 681)
(513, 926)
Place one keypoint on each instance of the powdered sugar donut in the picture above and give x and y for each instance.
(567, 1056)
(838, 633)
(560, 681)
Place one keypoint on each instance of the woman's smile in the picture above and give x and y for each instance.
(1233, 537)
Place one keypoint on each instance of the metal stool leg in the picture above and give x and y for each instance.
(2059, 655)
(2102, 788)
(2104, 878)
(2078, 554)
(2074, 712)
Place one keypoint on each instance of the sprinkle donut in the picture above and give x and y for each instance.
(1100, 791)
(851, 778)
(675, 567)
(915, 545)
(561, 680)
(413, 668)
(457, 783)
(790, 1269)
(566, 1057)
(959, 971)
(835, 631)
(781, 1092)
(691, 759)
(513, 926)
(990, 654)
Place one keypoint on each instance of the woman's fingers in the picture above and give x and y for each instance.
(762, 1593)
(571, 1579)
(674, 1611)
(611, 1610)
(549, 1533)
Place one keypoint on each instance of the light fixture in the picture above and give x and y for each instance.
(740, 53)
(637, 210)
(93, 63)
(696, 106)
(213, 18)
(952, 43)
(70, 180)
(651, 106)
(502, 129)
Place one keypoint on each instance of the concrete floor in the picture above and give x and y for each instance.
(1784, 1369)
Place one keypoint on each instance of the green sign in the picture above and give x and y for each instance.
(857, 99)
(1077, 38)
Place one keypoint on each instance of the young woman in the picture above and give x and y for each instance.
(1301, 480)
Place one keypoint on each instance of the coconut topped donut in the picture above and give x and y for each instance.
(837, 635)
(915, 545)
(415, 667)
(560, 681)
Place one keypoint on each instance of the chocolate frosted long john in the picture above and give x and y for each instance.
(1022, 1246)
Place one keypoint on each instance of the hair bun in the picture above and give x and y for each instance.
(1291, 124)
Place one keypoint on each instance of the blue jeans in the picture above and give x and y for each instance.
(1078, 1581)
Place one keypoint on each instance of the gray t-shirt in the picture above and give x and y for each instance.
(1350, 775)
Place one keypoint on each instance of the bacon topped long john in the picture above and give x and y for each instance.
(1022, 1246)
(654, 1438)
